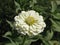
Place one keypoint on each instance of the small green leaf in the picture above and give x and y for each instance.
(10, 23)
(55, 25)
(17, 6)
(19, 40)
(46, 42)
(56, 16)
(8, 33)
(49, 35)
(54, 42)
(8, 44)
(58, 2)
(27, 42)
(11, 41)
(54, 6)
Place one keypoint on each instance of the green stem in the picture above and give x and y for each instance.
(24, 38)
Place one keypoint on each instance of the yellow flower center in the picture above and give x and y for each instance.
(30, 20)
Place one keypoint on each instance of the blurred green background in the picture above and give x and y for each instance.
(49, 9)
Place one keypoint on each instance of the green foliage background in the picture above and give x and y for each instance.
(49, 9)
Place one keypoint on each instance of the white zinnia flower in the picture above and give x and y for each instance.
(30, 23)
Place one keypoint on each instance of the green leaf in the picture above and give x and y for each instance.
(8, 44)
(7, 33)
(47, 42)
(54, 42)
(55, 25)
(54, 6)
(18, 40)
(32, 3)
(11, 41)
(27, 42)
(56, 16)
(49, 35)
(10, 23)
(17, 6)
(51, 42)
(58, 2)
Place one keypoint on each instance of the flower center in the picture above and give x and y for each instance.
(30, 20)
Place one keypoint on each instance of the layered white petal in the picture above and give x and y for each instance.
(24, 28)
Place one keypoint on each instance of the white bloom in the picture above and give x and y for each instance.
(30, 23)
